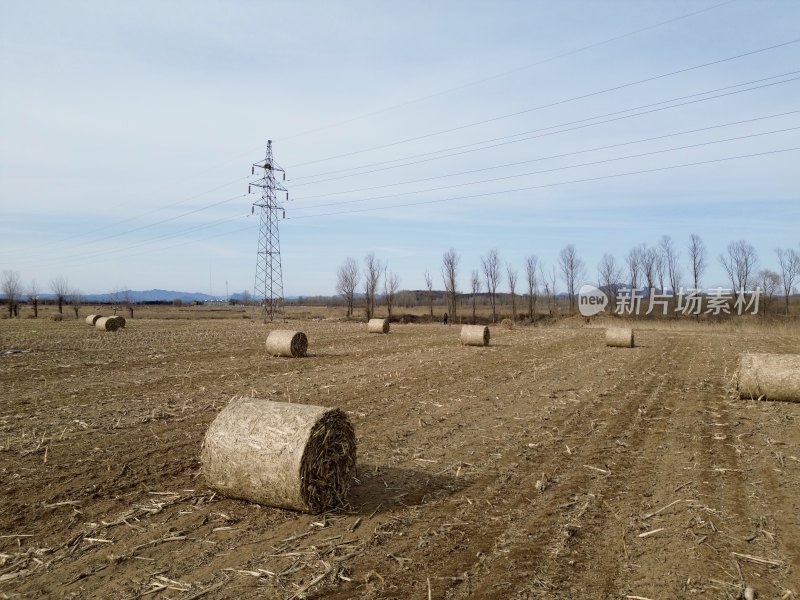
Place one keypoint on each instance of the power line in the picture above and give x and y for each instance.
(508, 72)
(541, 158)
(549, 185)
(432, 155)
(551, 104)
(53, 249)
(159, 209)
(554, 169)
(147, 242)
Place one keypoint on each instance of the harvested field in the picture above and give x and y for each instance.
(543, 466)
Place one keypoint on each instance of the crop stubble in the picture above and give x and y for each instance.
(544, 466)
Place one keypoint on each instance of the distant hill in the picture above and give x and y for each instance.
(144, 296)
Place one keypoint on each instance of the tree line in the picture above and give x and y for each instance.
(14, 293)
(661, 267)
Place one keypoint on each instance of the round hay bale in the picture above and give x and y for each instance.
(92, 319)
(619, 337)
(107, 324)
(475, 335)
(57, 317)
(283, 342)
(293, 456)
(378, 326)
(120, 320)
(507, 324)
(769, 376)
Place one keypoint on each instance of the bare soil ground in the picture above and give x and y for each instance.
(543, 466)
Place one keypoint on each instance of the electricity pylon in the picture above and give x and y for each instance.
(268, 289)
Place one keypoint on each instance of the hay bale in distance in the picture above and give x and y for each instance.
(293, 456)
(378, 326)
(92, 319)
(57, 317)
(120, 320)
(507, 324)
(769, 376)
(619, 337)
(475, 335)
(283, 342)
(107, 324)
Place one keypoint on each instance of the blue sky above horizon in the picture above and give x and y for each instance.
(127, 132)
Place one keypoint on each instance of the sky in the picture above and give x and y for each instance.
(127, 133)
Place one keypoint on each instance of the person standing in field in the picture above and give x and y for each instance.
(444, 319)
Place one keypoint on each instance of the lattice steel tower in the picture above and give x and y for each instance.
(268, 290)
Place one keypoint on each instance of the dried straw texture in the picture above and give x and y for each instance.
(283, 342)
(475, 335)
(291, 456)
(507, 324)
(107, 324)
(120, 320)
(619, 337)
(57, 317)
(378, 326)
(769, 376)
(92, 319)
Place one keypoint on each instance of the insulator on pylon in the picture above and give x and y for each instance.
(284, 176)
(287, 195)
(248, 189)
(253, 170)
(252, 210)
(284, 213)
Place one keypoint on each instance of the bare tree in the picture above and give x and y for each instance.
(33, 296)
(75, 298)
(391, 283)
(531, 277)
(549, 282)
(670, 259)
(476, 289)
(60, 287)
(127, 299)
(513, 275)
(11, 284)
(740, 264)
(634, 262)
(450, 262)
(609, 275)
(429, 286)
(347, 279)
(661, 268)
(572, 270)
(649, 258)
(372, 277)
(247, 298)
(697, 259)
(491, 272)
(790, 270)
(769, 282)
(114, 297)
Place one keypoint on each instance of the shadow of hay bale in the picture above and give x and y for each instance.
(384, 487)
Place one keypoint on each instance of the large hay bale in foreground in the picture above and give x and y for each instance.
(475, 335)
(769, 376)
(378, 326)
(120, 320)
(619, 337)
(92, 319)
(291, 456)
(107, 324)
(507, 324)
(57, 317)
(283, 342)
